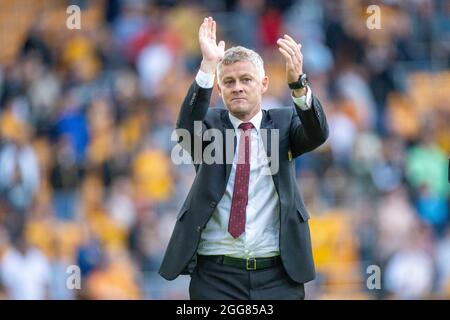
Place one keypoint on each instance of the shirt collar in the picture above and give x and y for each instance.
(256, 120)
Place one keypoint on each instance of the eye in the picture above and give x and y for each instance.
(246, 80)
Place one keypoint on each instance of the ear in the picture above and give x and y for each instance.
(219, 90)
(264, 84)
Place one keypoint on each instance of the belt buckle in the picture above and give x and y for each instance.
(250, 266)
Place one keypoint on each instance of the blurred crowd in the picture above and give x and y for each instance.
(86, 123)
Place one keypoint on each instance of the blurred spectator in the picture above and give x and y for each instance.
(151, 175)
(343, 135)
(426, 164)
(43, 92)
(244, 25)
(19, 174)
(113, 279)
(121, 206)
(72, 122)
(409, 273)
(25, 271)
(34, 43)
(59, 266)
(153, 64)
(443, 264)
(64, 178)
(90, 254)
(397, 221)
(387, 173)
(432, 208)
(129, 21)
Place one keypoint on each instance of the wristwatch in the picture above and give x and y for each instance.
(300, 83)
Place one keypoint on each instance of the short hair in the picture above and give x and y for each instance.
(239, 53)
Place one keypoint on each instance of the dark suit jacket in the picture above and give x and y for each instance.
(299, 132)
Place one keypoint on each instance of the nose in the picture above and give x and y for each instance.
(238, 87)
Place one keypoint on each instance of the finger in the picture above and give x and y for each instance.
(222, 45)
(290, 39)
(209, 27)
(283, 43)
(292, 44)
(213, 34)
(202, 30)
(297, 56)
(288, 58)
(211, 22)
(291, 63)
(202, 26)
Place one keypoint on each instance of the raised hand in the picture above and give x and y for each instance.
(293, 56)
(211, 52)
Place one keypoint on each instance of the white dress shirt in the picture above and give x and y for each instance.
(262, 227)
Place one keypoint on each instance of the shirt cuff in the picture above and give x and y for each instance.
(205, 80)
(304, 102)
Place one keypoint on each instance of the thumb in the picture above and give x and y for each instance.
(222, 45)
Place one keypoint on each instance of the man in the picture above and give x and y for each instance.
(242, 233)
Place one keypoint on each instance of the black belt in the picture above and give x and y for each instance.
(246, 264)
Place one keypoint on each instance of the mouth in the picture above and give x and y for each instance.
(238, 99)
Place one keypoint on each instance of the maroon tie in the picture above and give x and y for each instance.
(236, 224)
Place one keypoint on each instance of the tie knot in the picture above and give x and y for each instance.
(246, 126)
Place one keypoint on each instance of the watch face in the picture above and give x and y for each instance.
(303, 80)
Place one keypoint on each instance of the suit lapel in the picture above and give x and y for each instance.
(267, 124)
(266, 135)
(227, 125)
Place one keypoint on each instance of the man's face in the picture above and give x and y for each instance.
(241, 89)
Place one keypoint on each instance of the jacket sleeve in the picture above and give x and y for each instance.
(309, 128)
(190, 125)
